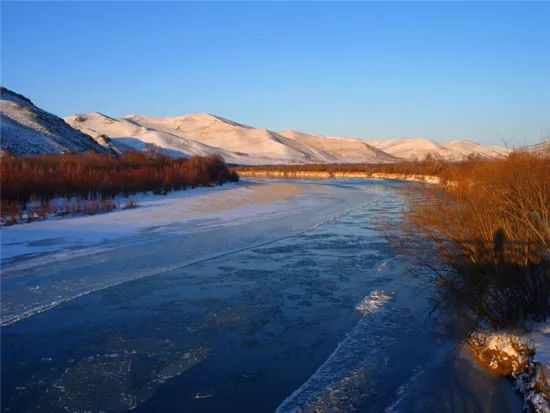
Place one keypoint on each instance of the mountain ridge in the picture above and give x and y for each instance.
(27, 129)
(249, 145)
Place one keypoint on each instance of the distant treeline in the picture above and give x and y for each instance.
(102, 177)
(429, 166)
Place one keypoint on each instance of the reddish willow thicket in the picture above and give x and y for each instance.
(96, 176)
(491, 226)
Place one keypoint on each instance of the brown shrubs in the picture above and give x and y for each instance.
(98, 177)
(492, 229)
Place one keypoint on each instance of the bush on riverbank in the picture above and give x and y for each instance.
(33, 181)
(492, 229)
(485, 238)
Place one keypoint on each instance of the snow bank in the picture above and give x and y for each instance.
(511, 355)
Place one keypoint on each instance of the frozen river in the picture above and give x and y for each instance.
(293, 302)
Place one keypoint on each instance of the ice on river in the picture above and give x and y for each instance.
(50, 262)
(287, 297)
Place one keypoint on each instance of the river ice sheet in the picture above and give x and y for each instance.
(303, 308)
(48, 263)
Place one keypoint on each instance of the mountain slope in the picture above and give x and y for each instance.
(202, 134)
(341, 149)
(462, 149)
(540, 149)
(222, 133)
(27, 130)
(140, 132)
(419, 148)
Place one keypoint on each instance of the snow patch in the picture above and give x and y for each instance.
(373, 302)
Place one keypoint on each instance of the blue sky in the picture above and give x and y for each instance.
(379, 70)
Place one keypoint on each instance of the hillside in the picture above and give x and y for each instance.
(183, 136)
(341, 149)
(26, 129)
(230, 136)
(419, 148)
(540, 149)
(204, 134)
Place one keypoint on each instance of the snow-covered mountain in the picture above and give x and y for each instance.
(202, 134)
(336, 149)
(419, 148)
(540, 149)
(26, 129)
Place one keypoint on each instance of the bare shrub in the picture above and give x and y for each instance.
(98, 177)
(130, 204)
(492, 230)
(11, 212)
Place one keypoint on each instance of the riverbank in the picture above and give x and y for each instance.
(259, 173)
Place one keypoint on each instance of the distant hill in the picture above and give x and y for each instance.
(419, 148)
(26, 129)
(338, 149)
(203, 133)
(542, 148)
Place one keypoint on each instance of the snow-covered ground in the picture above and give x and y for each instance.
(419, 148)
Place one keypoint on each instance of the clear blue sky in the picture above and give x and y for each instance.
(379, 70)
